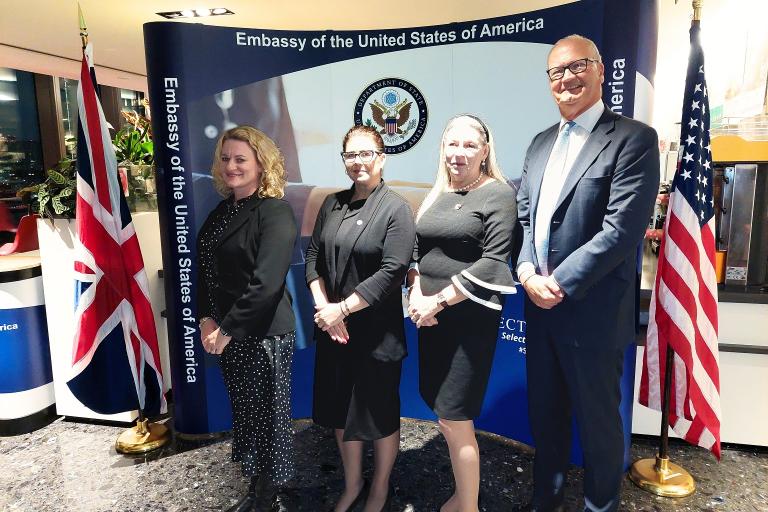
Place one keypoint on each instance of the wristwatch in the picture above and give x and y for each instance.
(442, 300)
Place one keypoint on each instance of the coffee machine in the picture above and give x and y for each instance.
(741, 220)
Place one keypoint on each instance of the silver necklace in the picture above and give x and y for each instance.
(467, 187)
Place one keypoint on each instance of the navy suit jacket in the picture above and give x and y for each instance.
(596, 226)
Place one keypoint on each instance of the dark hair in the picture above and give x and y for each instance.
(360, 129)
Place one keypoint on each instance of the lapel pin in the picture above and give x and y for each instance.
(359, 222)
(457, 207)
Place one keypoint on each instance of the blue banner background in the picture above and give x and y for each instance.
(25, 357)
(186, 69)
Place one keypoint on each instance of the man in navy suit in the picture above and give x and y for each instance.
(587, 192)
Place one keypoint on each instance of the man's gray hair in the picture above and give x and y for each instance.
(577, 37)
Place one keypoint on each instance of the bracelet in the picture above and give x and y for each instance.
(522, 283)
(203, 320)
(343, 306)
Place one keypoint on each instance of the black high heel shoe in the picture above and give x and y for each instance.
(360, 498)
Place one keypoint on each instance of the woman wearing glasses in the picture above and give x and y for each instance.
(464, 232)
(355, 264)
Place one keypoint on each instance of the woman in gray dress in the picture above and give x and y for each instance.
(464, 235)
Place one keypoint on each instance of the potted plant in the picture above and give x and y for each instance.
(54, 197)
(135, 153)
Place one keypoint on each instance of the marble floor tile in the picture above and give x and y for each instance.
(70, 466)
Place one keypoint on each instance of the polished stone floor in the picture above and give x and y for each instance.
(69, 466)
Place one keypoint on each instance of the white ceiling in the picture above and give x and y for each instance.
(115, 27)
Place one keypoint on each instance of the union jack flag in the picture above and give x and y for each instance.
(116, 361)
(683, 310)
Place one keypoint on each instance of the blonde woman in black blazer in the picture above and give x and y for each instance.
(244, 251)
(355, 265)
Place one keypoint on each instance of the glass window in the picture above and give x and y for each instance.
(21, 162)
(131, 103)
(69, 113)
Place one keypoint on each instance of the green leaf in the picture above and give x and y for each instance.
(42, 201)
(57, 177)
(65, 192)
(58, 206)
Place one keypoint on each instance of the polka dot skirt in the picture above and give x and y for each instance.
(257, 373)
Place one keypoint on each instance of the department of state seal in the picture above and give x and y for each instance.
(396, 109)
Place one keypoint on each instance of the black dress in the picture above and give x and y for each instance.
(256, 367)
(362, 247)
(464, 238)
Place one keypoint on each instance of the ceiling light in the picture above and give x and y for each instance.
(195, 13)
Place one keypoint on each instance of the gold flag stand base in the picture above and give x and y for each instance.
(662, 477)
(142, 438)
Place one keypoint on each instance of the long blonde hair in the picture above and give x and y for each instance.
(443, 178)
(272, 182)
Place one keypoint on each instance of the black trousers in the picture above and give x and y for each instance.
(566, 380)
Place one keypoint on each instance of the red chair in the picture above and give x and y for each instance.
(26, 237)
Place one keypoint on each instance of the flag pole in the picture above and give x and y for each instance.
(144, 436)
(83, 27)
(660, 476)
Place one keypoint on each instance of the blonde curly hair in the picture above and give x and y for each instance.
(268, 155)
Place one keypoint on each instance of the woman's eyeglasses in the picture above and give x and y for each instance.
(366, 156)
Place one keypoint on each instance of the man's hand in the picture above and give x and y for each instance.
(544, 291)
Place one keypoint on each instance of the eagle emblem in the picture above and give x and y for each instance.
(396, 109)
(391, 114)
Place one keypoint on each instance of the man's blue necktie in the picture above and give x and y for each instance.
(551, 185)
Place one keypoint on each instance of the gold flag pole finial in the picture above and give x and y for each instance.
(697, 4)
(83, 28)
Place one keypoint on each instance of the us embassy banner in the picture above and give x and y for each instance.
(305, 89)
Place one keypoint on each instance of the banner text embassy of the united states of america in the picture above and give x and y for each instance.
(183, 235)
(412, 39)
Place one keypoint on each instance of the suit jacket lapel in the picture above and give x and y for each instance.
(241, 218)
(538, 165)
(363, 220)
(330, 231)
(595, 144)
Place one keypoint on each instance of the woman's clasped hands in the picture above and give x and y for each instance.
(330, 318)
(423, 308)
(214, 342)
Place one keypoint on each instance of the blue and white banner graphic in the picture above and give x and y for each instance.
(305, 89)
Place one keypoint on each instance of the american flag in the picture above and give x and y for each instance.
(116, 360)
(683, 310)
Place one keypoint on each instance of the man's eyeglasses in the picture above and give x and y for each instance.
(366, 156)
(575, 67)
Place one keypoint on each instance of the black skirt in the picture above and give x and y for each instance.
(257, 374)
(455, 358)
(355, 392)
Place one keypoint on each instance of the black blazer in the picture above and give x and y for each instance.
(252, 259)
(379, 249)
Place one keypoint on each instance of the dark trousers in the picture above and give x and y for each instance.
(565, 380)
